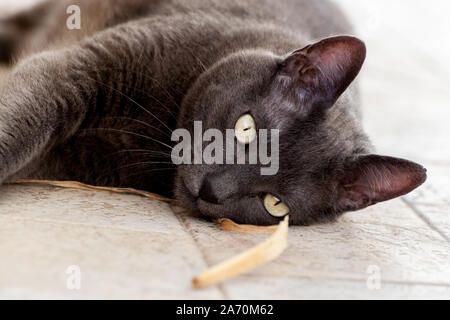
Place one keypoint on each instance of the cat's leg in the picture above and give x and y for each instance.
(47, 96)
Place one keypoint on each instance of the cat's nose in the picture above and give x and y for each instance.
(219, 186)
(208, 192)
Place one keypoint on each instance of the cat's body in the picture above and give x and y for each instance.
(98, 105)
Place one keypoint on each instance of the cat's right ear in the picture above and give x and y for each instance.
(315, 76)
(373, 178)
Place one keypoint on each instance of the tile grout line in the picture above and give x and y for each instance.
(185, 225)
(327, 277)
(424, 218)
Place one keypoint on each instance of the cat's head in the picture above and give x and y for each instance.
(325, 162)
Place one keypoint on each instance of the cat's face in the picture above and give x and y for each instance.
(324, 167)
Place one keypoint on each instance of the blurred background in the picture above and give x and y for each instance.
(406, 79)
(7, 6)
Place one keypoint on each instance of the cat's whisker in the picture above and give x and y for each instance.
(140, 172)
(145, 75)
(135, 102)
(144, 151)
(131, 133)
(147, 171)
(142, 163)
(153, 98)
(164, 89)
(141, 122)
(198, 60)
(144, 155)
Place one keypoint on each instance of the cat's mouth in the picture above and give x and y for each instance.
(190, 198)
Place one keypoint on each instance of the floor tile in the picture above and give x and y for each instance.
(125, 246)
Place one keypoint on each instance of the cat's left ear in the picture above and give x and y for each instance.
(319, 73)
(369, 179)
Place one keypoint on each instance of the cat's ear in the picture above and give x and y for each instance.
(372, 178)
(319, 73)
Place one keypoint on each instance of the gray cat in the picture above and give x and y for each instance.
(99, 104)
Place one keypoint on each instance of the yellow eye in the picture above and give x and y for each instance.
(275, 206)
(245, 129)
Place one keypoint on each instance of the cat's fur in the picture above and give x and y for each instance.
(98, 104)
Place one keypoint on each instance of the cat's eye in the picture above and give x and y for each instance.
(245, 129)
(275, 206)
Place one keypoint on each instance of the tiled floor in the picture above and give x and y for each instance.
(130, 247)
